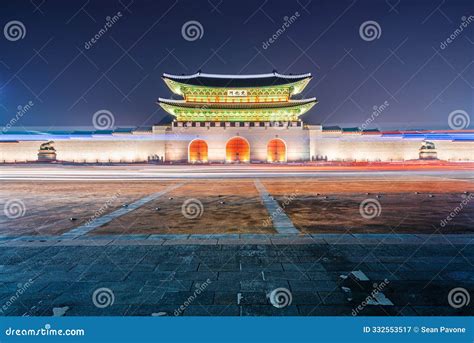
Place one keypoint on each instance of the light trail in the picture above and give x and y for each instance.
(143, 173)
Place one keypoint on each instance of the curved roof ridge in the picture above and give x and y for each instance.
(181, 101)
(230, 76)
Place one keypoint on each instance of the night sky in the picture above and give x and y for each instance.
(406, 66)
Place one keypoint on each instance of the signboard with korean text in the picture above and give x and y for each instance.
(237, 92)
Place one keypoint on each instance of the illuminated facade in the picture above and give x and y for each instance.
(237, 119)
(236, 98)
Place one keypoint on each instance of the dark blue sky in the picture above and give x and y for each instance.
(121, 72)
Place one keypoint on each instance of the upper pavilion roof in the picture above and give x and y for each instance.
(236, 81)
(237, 105)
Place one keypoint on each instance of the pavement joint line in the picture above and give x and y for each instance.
(88, 227)
(280, 220)
(221, 239)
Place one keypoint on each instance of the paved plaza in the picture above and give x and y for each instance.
(251, 246)
(157, 276)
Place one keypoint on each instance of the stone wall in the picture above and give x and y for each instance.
(336, 146)
(171, 143)
(295, 138)
(97, 150)
(24, 151)
(455, 151)
(355, 147)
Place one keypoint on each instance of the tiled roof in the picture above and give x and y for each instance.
(236, 81)
(233, 105)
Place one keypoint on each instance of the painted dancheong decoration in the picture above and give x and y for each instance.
(237, 98)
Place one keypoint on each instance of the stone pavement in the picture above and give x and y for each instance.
(204, 275)
(97, 222)
(281, 222)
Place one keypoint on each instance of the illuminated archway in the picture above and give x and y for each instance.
(197, 151)
(237, 149)
(276, 150)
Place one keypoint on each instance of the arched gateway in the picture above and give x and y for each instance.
(237, 149)
(276, 150)
(197, 151)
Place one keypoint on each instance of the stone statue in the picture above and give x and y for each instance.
(48, 146)
(47, 152)
(428, 151)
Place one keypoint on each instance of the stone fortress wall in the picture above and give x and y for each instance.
(295, 138)
(303, 143)
(90, 151)
(338, 146)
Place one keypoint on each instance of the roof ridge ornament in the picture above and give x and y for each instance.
(236, 76)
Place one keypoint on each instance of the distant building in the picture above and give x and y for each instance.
(239, 119)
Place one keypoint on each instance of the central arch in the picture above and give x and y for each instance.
(276, 150)
(237, 149)
(197, 151)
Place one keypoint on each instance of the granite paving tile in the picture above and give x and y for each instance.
(191, 267)
(241, 298)
(211, 310)
(220, 285)
(114, 310)
(148, 310)
(314, 286)
(170, 286)
(260, 285)
(219, 267)
(304, 267)
(268, 310)
(181, 298)
(238, 276)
